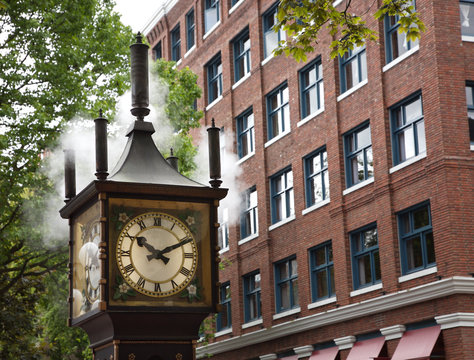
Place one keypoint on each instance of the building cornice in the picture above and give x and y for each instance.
(162, 11)
(419, 294)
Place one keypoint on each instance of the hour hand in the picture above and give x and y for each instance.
(155, 254)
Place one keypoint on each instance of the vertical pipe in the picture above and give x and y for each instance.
(139, 78)
(69, 174)
(214, 155)
(101, 147)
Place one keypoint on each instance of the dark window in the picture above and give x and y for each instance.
(278, 112)
(270, 37)
(249, 217)
(282, 201)
(365, 256)
(359, 161)
(312, 91)
(408, 126)
(245, 134)
(470, 109)
(322, 272)
(252, 303)
(467, 18)
(353, 65)
(211, 14)
(214, 79)
(286, 284)
(224, 318)
(241, 55)
(316, 177)
(190, 25)
(416, 238)
(175, 44)
(157, 51)
(396, 43)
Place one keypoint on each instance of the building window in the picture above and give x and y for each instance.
(470, 110)
(278, 112)
(396, 42)
(175, 44)
(224, 318)
(359, 160)
(270, 37)
(416, 239)
(190, 26)
(467, 18)
(286, 284)
(408, 129)
(214, 79)
(211, 14)
(316, 177)
(365, 257)
(157, 51)
(312, 91)
(283, 203)
(241, 55)
(322, 272)
(245, 134)
(252, 303)
(353, 65)
(249, 217)
(223, 234)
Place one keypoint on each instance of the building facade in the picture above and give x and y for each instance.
(356, 235)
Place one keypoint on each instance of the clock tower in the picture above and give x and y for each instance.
(143, 243)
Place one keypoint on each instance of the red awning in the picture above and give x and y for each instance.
(366, 349)
(325, 354)
(416, 344)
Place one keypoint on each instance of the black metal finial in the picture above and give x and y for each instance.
(173, 160)
(214, 155)
(101, 161)
(139, 38)
(139, 78)
(100, 112)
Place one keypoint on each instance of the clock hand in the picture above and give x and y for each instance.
(172, 247)
(141, 241)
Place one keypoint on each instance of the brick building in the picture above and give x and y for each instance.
(356, 237)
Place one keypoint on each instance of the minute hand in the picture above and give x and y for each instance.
(167, 249)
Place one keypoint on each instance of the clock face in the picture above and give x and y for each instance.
(156, 254)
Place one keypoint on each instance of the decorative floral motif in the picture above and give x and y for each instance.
(193, 291)
(120, 217)
(122, 290)
(190, 220)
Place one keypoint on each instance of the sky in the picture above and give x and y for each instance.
(136, 13)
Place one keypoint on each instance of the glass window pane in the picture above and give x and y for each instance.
(363, 138)
(469, 96)
(320, 256)
(294, 267)
(285, 295)
(430, 251)
(414, 253)
(406, 144)
(326, 184)
(421, 218)
(316, 164)
(405, 223)
(413, 110)
(470, 115)
(420, 130)
(331, 274)
(370, 163)
(278, 208)
(363, 67)
(316, 189)
(377, 272)
(467, 19)
(284, 270)
(271, 42)
(256, 280)
(321, 278)
(365, 274)
(295, 296)
(370, 238)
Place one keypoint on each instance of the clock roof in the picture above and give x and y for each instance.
(142, 162)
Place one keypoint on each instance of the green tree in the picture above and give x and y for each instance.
(58, 58)
(303, 20)
(180, 109)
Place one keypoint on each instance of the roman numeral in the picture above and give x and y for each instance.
(185, 271)
(129, 269)
(141, 282)
(172, 226)
(157, 221)
(124, 252)
(128, 235)
(188, 255)
(141, 223)
(174, 284)
(157, 287)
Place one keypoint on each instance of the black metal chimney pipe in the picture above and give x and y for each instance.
(173, 160)
(101, 163)
(214, 155)
(139, 78)
(69, 174)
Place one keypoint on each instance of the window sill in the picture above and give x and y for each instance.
(219, 98)
(399, 59)
(246, 76)
(281, 222)
(418, 274)
(315, 206)
(358, 186)
(223, 332)
(252, 323)
(322, 302)
(309, 117)
(245, 158)
(247, 239)
(177, 63)
(190, 51)
(468, 38)
(237, 4)
(287, 313)
(214, 27)
(366, 289)
(337, 2)
(224, 250)
(407, 163)
(352, 90)
(276, 138)
(267, 59)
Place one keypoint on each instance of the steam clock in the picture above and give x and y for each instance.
(143, 243)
